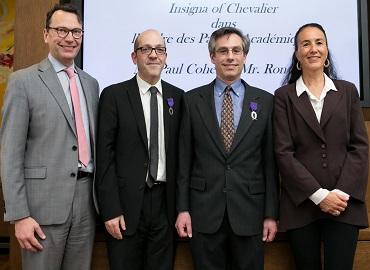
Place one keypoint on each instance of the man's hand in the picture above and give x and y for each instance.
(269, 230)
(183, 224)
(114, 225)
(334, 203)
(25, 230)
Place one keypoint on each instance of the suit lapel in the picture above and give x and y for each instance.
(50, 79)
(137, 108)
(245, 122)
(207, 110)
(330, 104)
(304, 108)
(89, 100)
(167, 94)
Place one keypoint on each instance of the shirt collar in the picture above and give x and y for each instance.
(236, 86)
(301, 87)
(58, 66)
(144, 86)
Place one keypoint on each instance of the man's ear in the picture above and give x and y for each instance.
(134, 57)
(45, 33)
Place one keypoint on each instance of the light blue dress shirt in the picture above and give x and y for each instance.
(237, 96)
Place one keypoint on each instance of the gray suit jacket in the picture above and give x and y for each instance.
(38, 138)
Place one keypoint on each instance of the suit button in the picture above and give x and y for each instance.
(323, 155)
(73, 174)
(74, 148)
(324, 165)
(228, 167)
(224, 190)
(323, 146)
(145, 164)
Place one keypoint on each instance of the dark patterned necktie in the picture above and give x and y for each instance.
(227, 119)
(153, 148)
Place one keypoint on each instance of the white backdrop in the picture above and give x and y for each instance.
(111, 26)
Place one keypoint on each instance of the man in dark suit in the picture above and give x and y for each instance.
(47, 179)
(227, 184)
(137, 160)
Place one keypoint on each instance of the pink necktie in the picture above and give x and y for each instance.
(83, 154)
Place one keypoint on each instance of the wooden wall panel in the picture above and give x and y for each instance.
(29, 25)
(7, 18)
(29, 49)
(4, 226)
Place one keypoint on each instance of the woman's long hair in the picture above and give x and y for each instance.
(293, 73)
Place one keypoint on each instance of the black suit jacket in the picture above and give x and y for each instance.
(210, 181)
(122, 151)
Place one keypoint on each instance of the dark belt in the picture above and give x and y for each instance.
(82, 174)
(157, 184)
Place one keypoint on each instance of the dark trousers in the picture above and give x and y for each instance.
(339, 244)
(152, 245)
(226, 250)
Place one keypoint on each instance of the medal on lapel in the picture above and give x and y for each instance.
(170, 104)
(253, 108)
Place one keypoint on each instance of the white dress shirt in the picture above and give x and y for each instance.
(317, 105)
(145, 100)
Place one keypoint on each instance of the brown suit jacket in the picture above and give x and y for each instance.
(332, 154)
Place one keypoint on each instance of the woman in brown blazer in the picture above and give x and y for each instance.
(322, 151)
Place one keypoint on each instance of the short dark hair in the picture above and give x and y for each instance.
(226, 31)
(64, 7)
(293, 73)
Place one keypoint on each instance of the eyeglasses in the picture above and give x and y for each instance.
(225, 51)
(148, 50)
(63, 32)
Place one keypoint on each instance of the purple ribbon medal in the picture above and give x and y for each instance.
(253, 108)
(170, 104)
